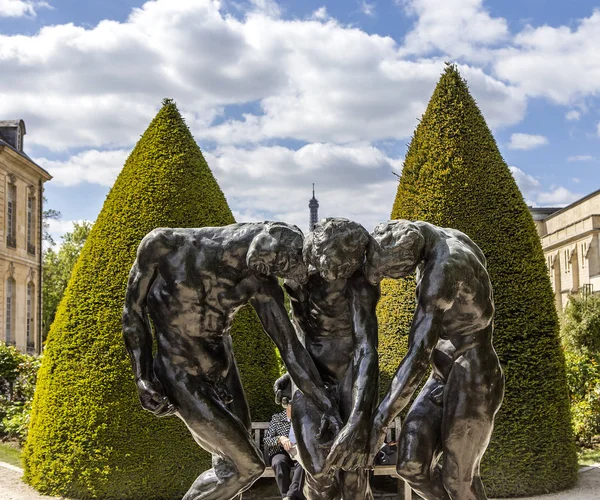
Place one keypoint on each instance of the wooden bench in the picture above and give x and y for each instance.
(393, 432)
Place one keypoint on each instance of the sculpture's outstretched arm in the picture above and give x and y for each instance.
(138, 337)
(422, 338)
(269, 305)
(350, 449)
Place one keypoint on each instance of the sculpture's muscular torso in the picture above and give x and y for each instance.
(190, 282)
(451, 332)
(335, 314)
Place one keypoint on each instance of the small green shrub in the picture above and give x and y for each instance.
(580, 335)
(16, 421)
(10, 359)
(18, 373)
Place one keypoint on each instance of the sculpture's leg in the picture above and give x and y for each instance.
(312, 451)
(420, 445)
(474, 393)
(355, 485)
(237, 462)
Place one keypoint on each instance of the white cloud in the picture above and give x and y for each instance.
(458, 28)
(559, 63)
(527, 141)
(576, 180)
(573, 115)
(368, 9)
(20, 8)
(580, 158)
(275, 182)
(534, 194)
(98, 87)
(268, 7)
(320, 13)
(363, 97)
(558, 197)
(92, 166)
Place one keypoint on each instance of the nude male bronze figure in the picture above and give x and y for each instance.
(190, 283)
(334, 313)
(451, 331)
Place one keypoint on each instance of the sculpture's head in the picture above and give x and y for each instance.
(395, 250)
(277, 250)
(336, 248)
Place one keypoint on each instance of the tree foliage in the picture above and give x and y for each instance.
(89, 437)
(58, 265)
(454, 176)
(18, 373)
(580, 335)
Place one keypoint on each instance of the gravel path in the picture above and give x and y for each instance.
(587, 488)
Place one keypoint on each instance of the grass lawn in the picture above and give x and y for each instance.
(589, 456)
(10, 454)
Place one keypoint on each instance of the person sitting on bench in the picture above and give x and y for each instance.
(280, 442)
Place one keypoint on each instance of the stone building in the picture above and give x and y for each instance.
(570, 240)
(21, 195)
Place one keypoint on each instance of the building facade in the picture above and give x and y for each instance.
(21, 195)
(570, 240)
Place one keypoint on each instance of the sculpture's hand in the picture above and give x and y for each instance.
(437, 395)
(349, 450)
(331, 423)
(376, 440)
(282, 388)
(153, 399)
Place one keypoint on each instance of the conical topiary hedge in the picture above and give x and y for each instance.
(89, 437)
(454, 176)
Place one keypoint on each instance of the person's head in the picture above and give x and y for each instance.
(336, 248)
(395, 250)
(277, 250)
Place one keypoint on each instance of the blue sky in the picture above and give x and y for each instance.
(281, 94)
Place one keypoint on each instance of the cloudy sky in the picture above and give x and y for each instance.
(281, 94)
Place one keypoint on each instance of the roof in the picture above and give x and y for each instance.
(13, 123)
(3, 144)
(580, 200)
(542, 213)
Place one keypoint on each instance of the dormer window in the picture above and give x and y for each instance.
(12, 132)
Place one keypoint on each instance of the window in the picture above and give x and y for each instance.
(29, 314)
(30, 228)
(10, 311)
(11, 216)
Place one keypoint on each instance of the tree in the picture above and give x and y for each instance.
(454, 176)
(89, 437)
(580, 335)
(48, 215)
(57, 270)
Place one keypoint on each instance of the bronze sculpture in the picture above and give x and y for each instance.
(190, 283)
(451, 330)
(334, 313)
